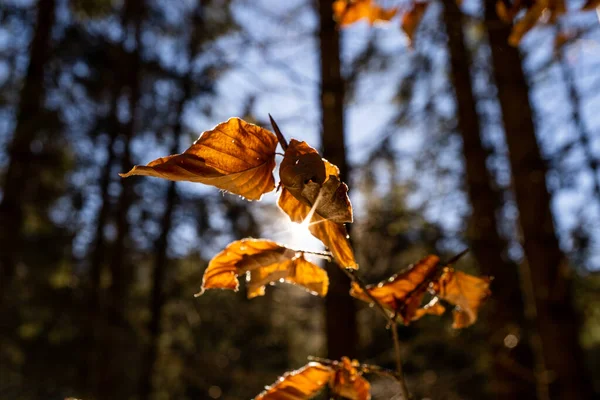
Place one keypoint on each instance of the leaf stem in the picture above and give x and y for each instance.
(282, 141)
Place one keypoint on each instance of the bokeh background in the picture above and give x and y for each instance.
(455, 140)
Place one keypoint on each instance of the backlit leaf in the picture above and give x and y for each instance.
(315, 182)
(403, 293)
(343, 379)
(347, 12)
(412, 19)
(235, 156)
(466, 292)
(263, 262)
(333, 235)
(300, 384)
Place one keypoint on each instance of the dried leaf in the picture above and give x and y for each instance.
(263, 261)
(434, 307)
(348, 383)
(235, 156)
(347, 12)
(303, 172)
(343, 378)
(466, 292)
(412, 19)
(333, 235)
(403, 293)
(300, 384)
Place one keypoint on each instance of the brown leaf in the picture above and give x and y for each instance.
(348, 383)
(333, 235)
(347, 12)
(466, 292)
(305, 174)
(263, 261)
(402, 293)
(235, 156)
(526, 23)
(411, 20)
(434, 307)
(300, 384)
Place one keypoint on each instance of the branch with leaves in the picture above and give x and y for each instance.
(239, 157)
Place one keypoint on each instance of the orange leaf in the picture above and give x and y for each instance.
(412, 19)
(315, 182)
(347, 12)
(432, 308)
(333, 235)
(402, 293)
(235, 156)
(263, 261)
(300, 384)
(348, 383)
(466, 292)
(526, 23)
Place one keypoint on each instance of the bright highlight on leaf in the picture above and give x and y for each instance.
(263, 262)
(342, 377)
(403, 293)
(235, 156)
(347, 12)
(315, 182)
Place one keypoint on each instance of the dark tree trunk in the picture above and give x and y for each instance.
(21, 157)
(339, 306)
(549, 272)
(506, 315)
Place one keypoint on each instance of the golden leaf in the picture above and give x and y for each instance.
(300, 384)
(263, 261)
(347, 12)
(466, 292)
(348, 383)
(315, 182)
(411, 20)
(434, 307)
(333, 235)
(402, 293)
(235, 156)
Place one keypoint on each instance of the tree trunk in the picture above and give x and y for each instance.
(506, 314)
(339, 306)
(557, 320)
(22, 159)
(157, 296)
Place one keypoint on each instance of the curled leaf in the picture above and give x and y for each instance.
(333, 235)
(466, 292)
(315, 182)
(300, 384)
(411, 20)
(263, 262)
(347, 12)
(235, 156)
(343, 378)
(404, 292)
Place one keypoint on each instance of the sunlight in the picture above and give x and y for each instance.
(297, 236)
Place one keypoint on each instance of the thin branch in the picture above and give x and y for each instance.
(280, 137)
(400, 374)
(323, 254)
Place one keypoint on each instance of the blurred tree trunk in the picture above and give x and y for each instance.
(506, 315)
(549, 272)
(21, 157)
(161, 246)
(339, 306)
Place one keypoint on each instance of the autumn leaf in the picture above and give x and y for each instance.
(347, 12)
(411, 20)
(526, 23)
(348, 383)
(342, 377)
(235, 156)
(404, 292)
(263, 262)
(434, 307)
(466, 292)
(315, 182)
(333, 235)
(591, 5)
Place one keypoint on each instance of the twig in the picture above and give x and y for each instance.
(400, 374)
(280, 137)
(323, 254)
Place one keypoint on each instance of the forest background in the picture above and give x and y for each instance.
(454, 140)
